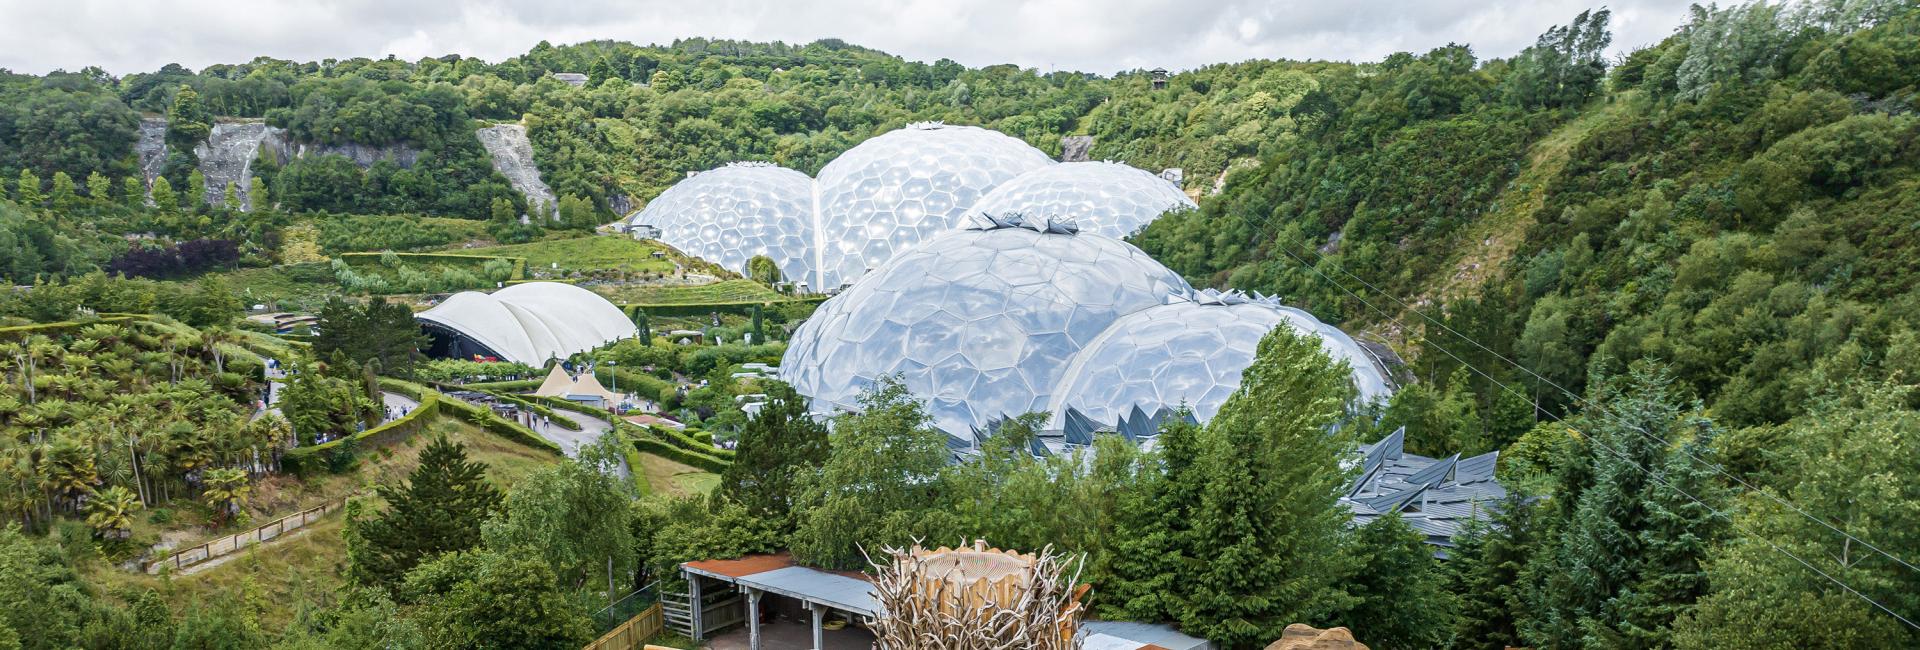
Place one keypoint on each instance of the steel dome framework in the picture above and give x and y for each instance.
(1106, 198)
(980, 322)
(1191, 353)
(892, 191)
(731, 214)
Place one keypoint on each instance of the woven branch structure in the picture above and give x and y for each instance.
(977, 598)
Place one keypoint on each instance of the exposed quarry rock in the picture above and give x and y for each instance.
(227, 158)
(285, 149)
(512, 156)
(1076, 148)
(152, 147)
(622, 205)
(1305, 637)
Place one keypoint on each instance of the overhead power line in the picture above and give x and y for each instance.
(1630, 462)
(1590, 404)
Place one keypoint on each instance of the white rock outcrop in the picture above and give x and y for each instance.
(512, 156)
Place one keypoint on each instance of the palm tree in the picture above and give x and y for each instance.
(110, 512)
(70, 466)
(227, 490)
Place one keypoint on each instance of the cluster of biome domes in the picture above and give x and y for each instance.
(1012, 315)
(888, 194)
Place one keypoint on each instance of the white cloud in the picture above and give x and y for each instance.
(126, 36)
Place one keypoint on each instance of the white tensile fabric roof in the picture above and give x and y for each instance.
(533, 322)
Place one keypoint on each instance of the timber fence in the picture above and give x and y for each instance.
(633, 634)
(230, 544)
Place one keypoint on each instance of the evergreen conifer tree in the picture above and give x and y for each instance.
(1674, 546)
(64, 197)
(1598, 552)
(133, 192)
(438, 510)
(1148, 562)
(1403, 602)
(26, 190)
(1269, 524)
(780, 443)
(1486, 576)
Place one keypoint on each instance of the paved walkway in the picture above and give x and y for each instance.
(591, 429)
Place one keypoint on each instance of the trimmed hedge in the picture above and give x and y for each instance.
(486, 419)
(564, 421)
(642, 384)
(635, 472)
(301, 460)
(686, 441)
(686, 309)
(491, 386)
(676, 454)
(519, 263)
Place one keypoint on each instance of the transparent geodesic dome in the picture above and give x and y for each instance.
(1192, 353)
(904, 186)
(730, 214)
(1106, 198)
(978, 322)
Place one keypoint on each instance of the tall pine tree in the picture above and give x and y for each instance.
(438, 511)
(1598, 550)
(776, 447)
(1486, 577)
(1403, 602)
(1147, 563)
(1269, 523)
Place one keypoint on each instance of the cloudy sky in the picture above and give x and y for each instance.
(1102, 36)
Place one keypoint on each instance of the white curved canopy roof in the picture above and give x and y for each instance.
(533, 322)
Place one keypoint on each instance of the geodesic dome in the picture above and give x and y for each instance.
(1192, 353)
(979, 322)
(730, 214)
(1106, 198)
(903, 186)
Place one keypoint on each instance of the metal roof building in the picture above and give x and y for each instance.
(1436, 496)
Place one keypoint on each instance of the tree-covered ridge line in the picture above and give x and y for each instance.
(1733, 201)
(687, 107)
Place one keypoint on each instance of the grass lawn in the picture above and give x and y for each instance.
(677, 480)
(591, 253)
(283, 577)
(302, 286)
(735, 290)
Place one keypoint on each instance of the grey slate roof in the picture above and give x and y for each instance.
(1435, 496)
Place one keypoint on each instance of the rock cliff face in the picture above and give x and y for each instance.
(622, 205)
(227, 158)
(512, 156)
(1075, 148)
(152, 147)
(284, 149)
(228, 154)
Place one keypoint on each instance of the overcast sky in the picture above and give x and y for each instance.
(1101, 36)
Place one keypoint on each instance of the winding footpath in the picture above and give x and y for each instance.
(591, 429)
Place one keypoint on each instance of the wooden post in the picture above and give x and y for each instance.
(694, 610)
